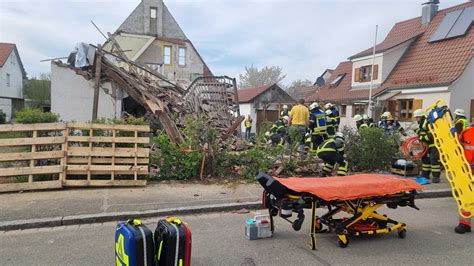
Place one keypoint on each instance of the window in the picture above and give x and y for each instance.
(182, 56)
(358, 110)
(153, 12)
(337, 80)
(167, 55)
(363, 73)
(342, 110)
(8, 80)
(405, 109)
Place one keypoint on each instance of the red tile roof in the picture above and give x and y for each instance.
(400, 33)
(5, 51)
(423, 64)
(303, 92)
(247, 95)
(437, 63)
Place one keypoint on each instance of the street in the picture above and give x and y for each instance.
(218, 239)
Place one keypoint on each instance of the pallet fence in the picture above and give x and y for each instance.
(55, 155)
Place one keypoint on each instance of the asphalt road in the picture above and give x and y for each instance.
(218, 240)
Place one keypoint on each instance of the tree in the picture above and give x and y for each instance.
(298, 83)
(254, 77)
(38, 91)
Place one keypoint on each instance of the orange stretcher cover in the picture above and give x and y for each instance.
(350, 187)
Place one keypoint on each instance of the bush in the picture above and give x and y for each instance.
(173, 162)
(368, 149)
(31, 116)
(3, 117)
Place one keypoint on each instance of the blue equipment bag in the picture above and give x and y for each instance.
(133, 244)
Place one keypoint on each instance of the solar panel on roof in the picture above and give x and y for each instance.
(463, 23)
(445, 26)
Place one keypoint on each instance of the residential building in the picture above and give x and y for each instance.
(150, 37)
(262, 103)
(422, 60)
(12, 75)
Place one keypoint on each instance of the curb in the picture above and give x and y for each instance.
(117, 216)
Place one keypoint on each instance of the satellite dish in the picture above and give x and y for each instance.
(320, 82)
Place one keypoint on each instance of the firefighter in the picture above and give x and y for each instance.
(334, 115)
(460, 121)
(466, 138)
(360, 122)
(248, 126)
(331, 151)
(317, 124)
(285, 111)
(278, 131)
(331, 123)
(383, 120)
(430, 161)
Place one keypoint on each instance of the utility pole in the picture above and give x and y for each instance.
(370, 108)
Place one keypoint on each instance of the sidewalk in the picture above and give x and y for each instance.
(74, 206)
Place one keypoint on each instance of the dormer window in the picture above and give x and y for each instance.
(362, 74)
(337, 80)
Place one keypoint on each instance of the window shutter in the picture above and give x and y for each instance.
(417, 104)
(376, 71)
(392, 107)
(356, 75)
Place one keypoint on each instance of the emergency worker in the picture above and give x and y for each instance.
(430, 161)
(331, 151)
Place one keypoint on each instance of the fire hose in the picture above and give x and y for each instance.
(413, 148)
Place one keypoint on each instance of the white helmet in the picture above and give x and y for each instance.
(285, 106)
(328, 112)
(418, 113)
(386, 114)
(328, 105)
(460, 112)
(358, 118)
(314, 105)
(267, 134)
(339, 135)
(365, 117)
(286, 118)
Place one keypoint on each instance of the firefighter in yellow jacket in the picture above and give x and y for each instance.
(430, 161)
(248, 126)
(331, 151)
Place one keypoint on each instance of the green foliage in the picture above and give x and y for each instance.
(254, 77)
(256, 160)
(131, 120)
(172, 161)
(31, 116)
(368, 149)
(3, 117)
(21, 179)
(38, 91)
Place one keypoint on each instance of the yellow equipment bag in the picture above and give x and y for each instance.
(458, 170)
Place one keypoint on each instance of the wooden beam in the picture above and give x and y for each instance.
(131, 128)
(140, 140)
(98, 66)
(234, 126)
(37, 170)
(32, 141)
(31, 127)
(23, 156)
(30, 186)
(108, 152)
(104, 183)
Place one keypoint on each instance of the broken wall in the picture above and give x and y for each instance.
(72, 96)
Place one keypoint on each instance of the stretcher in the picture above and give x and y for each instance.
(358, 196)
(458, 170)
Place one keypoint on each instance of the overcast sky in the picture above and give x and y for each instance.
(304, 37)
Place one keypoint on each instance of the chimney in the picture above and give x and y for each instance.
(428, 11)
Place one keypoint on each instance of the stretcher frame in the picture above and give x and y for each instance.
(363, 213)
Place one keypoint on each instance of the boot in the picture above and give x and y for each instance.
(462, 228)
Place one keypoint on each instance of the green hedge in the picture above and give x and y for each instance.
(31, 116)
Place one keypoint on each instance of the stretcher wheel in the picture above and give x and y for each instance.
(297, 224)
(273, 211)
(343, 241)
(402, 233)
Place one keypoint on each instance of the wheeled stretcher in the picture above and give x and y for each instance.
(359, 196)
